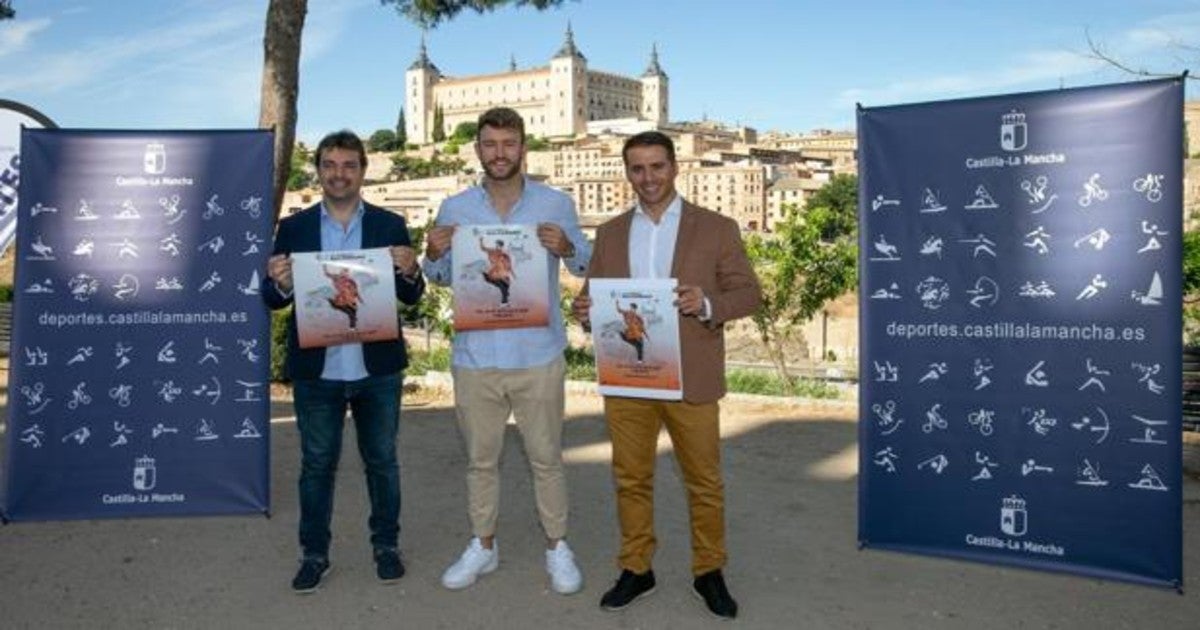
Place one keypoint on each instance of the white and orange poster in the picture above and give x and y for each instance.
(344, 297)
(635, 336)
(501, 278)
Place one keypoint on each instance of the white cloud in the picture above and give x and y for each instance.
(1041, 67)
(15, 35)
(1159, 44)
(106, 63)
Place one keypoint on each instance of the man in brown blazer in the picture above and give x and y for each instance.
(665, 236)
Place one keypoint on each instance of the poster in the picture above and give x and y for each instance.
(139, 372)
(635, 337)
(500, 278)
(344, 297)
(1020, 264)
(13, 116)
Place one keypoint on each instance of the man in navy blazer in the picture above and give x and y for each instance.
(364, 377)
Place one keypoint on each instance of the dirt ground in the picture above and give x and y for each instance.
(791, 508)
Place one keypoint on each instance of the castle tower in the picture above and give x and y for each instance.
(567, 111)
(418, 97)
(655, 91)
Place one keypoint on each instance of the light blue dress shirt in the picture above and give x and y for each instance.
(513, 348)
(344, 362)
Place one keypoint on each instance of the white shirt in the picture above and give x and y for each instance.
(652, 245)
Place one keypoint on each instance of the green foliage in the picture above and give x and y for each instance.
(809, 260)
(279, 321)
(1191, 262)
(439, 124)
(413, 167)
(841, 196)
(581, 366)
(764, 383)
(433, 309)
(429, 13)
(301, 174)
(1191, 288)
(401, 131)
(536, 144)
(423, 361)
(6, 293)
(465, 132)
(382, 140)
(581, 363)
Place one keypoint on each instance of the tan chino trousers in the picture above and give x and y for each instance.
(483, 401)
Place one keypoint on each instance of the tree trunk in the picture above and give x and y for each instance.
(281, 84)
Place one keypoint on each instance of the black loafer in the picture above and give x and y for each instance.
(710, 588)
(629, 588)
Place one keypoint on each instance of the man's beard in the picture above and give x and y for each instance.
(494, 172)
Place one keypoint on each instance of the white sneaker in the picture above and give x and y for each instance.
(565, 577)
(474, 562)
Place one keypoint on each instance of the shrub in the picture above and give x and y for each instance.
(279, 344)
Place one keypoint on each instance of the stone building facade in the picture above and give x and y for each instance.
(556, 100)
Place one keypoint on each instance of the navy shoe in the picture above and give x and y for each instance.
(710, 588)
(308, 578)
(629, 588)
(389, 567)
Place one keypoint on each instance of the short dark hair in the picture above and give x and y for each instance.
(649, 139)
(502, 118)
(344, 139)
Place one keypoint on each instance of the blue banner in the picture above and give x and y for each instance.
(139, 370)
(1021, 330)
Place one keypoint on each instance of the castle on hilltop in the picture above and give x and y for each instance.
(557, 100)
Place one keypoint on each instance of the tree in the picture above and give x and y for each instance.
(301, 175)
(382, 140)
(401, 131)
(412, 167)
(429, 13)
(6, 10)
(281, 84)
(1191, 287)
(439, 124)
(840, 194)
(281, 61)
(464, 132)
(810, 260)
(536, 144)
(1098, 51)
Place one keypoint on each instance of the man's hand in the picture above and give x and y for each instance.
(279, 269)
(404, 258)
(554, 239)
(580, 308)
(437, 241)
(690, 300)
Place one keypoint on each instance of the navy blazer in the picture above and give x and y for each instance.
(301, 232)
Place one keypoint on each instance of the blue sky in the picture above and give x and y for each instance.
(791, 65)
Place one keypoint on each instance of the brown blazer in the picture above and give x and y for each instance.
(708, 254)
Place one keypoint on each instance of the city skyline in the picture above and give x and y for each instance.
(785, 66)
